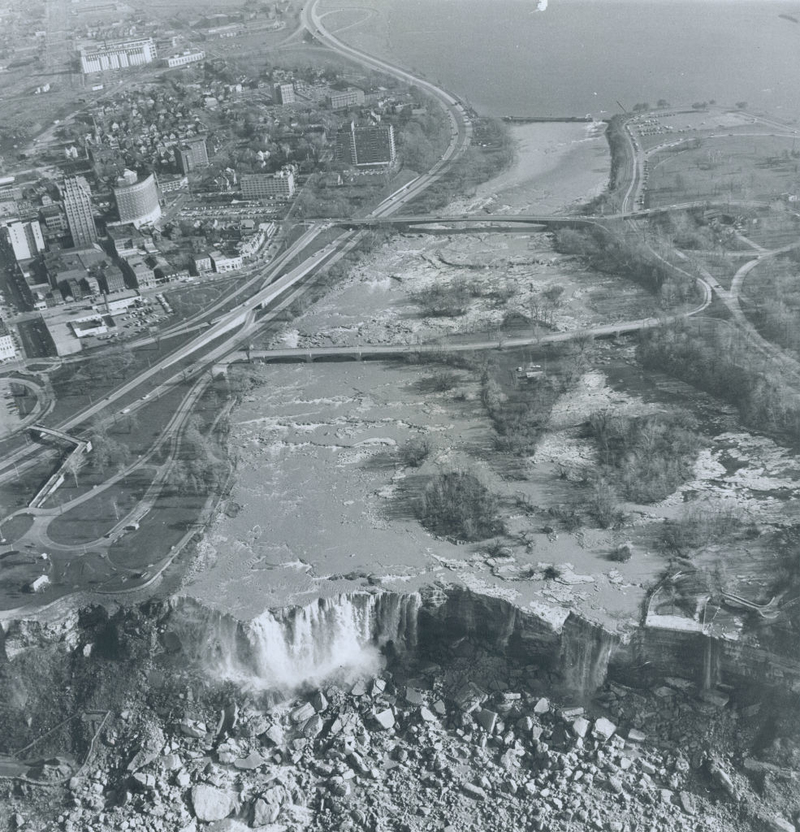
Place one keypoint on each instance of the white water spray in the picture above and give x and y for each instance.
(333, 638)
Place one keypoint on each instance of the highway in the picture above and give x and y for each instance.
(240, 323)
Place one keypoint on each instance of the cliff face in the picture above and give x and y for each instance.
(351, 634)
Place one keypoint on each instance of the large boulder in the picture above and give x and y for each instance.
(227, 825)
(211, 803)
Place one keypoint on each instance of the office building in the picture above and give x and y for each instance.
(55, 222)
(202, 262)
(279, 186)
(10, 193)
(184, 59)
(7, 348)
(284, 94)
(78, 207)
(192, 154)
(117, 54)
(26, 239)
(225, 262)
(140, 274)
(137, 199)
(365, 146)
(342, 99)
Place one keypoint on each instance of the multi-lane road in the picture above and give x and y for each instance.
(231, 329)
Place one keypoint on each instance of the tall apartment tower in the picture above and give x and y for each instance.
(137, 199)
(284, 94)
(78, 208)
(26, 239)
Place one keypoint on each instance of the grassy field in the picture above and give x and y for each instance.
(739, 168)
(93, 518)
(189, 300)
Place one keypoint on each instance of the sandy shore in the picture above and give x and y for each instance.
(558, 165)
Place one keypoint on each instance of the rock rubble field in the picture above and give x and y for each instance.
(474, 742)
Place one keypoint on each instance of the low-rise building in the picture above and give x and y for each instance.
(170, 184)
(139, 273)
(55, 221)
(112, 280)
(184, 59)
(7, 348)
(268, 186)
(342, 99)
(202, 262)
(365, 146)
(192, 154)
(226, 262)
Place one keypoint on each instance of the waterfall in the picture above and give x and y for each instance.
(711, 663)
(333, 638)
(586, 650)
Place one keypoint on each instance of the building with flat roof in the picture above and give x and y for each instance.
(278, 186)
(202, 262)
(365, 146)
(26, 239)
(284, 94)
(226, 262)
(7, 348)
(77, 197)
(54, 219)
(184, 59)
(137, 199)
(117, 54)
(192, 154)
(342, 99)
(10, 193)
(141, 275)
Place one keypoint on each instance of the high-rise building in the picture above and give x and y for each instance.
(26, 239)
(192, 154)
(78, 208)
(268, 185)
(137, 199)
(117, 54)
(365, 146)
(284, 94)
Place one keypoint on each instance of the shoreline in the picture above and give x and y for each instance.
(557, 165)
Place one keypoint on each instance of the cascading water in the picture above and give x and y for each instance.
(711, 663)
(586, 650)
(336, 637)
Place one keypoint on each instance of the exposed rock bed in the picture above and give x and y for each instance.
(476, 742)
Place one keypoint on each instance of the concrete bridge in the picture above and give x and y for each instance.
(534, 219)
(56, 434)
(80, 447)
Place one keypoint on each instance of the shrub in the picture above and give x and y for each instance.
(457, 504)
(697, 527)
(443, 301)
(414, 452)
(622, 553)
(645, 457)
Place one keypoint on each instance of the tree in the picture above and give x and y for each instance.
(75, 462)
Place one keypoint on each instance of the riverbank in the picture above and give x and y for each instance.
(557, 167)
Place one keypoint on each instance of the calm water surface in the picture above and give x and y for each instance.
(585, 56)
